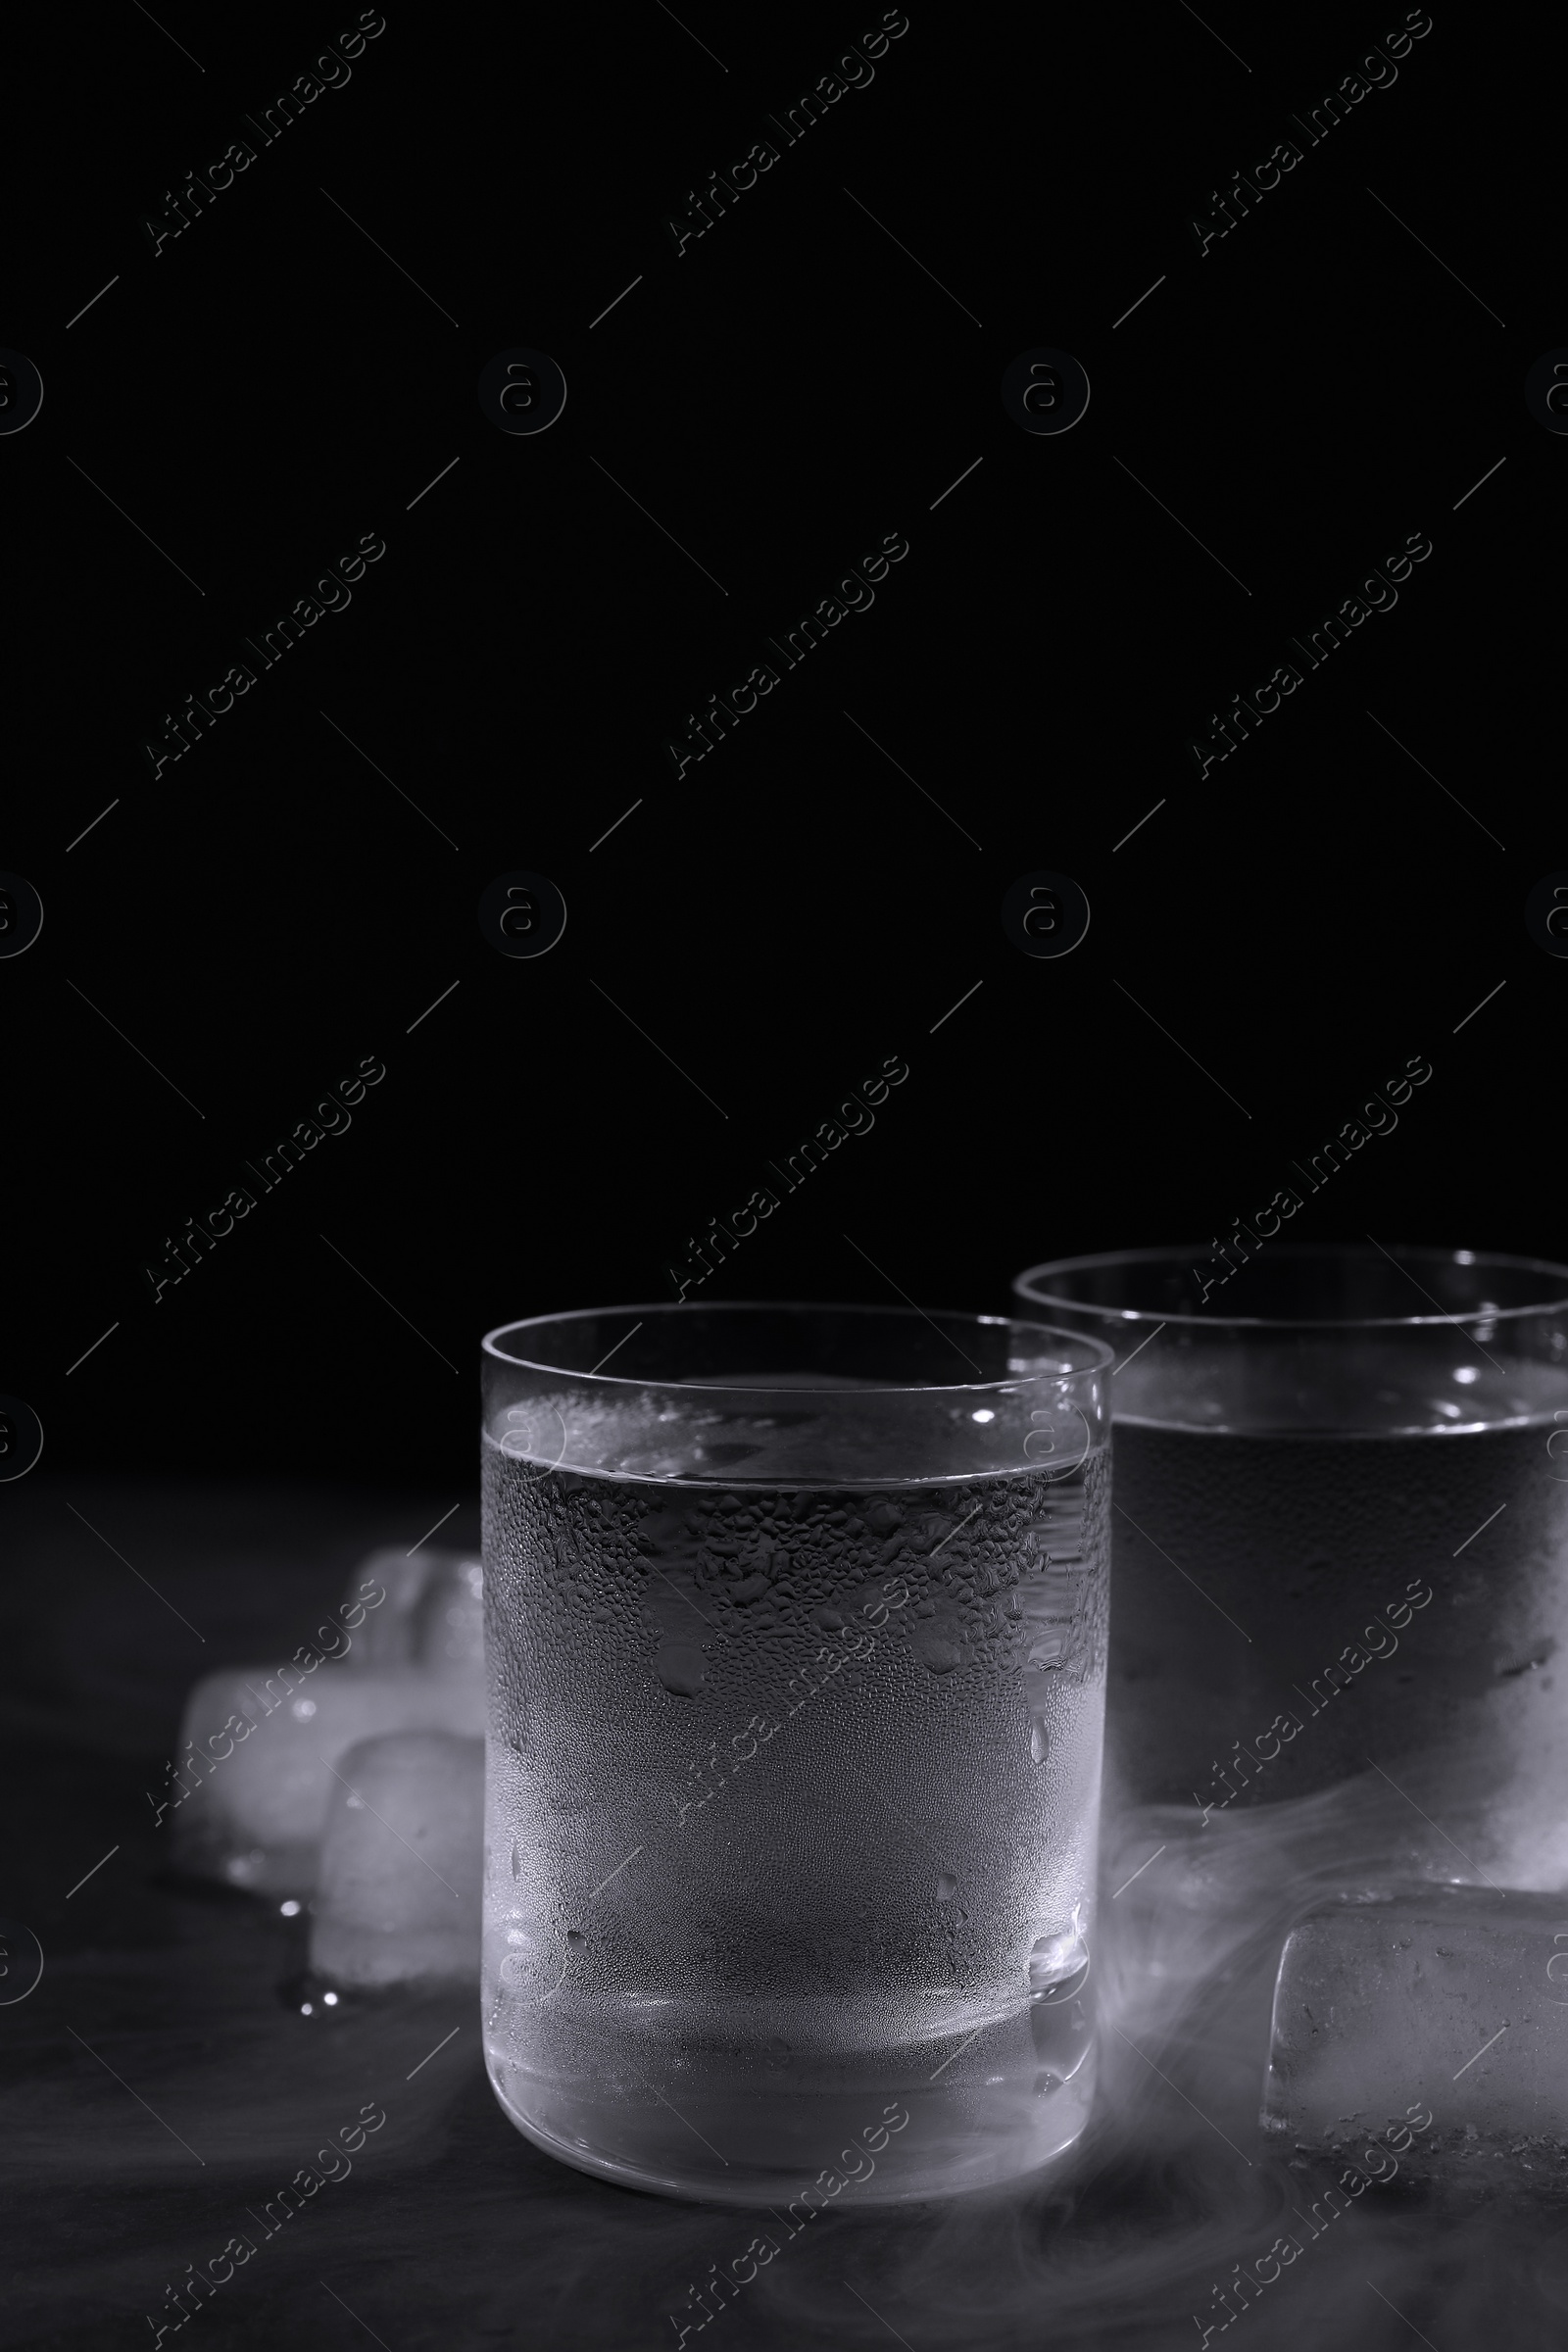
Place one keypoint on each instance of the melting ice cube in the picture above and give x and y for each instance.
(432, 1613)
(1449, 1999)
(398, 1898)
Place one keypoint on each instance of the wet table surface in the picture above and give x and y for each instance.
(161, 2084)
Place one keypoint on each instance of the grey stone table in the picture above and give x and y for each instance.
(164, 2082)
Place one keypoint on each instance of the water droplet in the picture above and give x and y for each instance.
(576, 1938)
(1039, 1739)
(681, 1667)
(947, 1887)
(517, 1861)
(935, 1655)
(1054, 1960)
(777, 2048)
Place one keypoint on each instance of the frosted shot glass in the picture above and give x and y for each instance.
(1340, 1531)
(795, 1628)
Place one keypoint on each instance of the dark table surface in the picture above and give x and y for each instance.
(162, 2082)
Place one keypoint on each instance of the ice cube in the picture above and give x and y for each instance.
(247, 1801)
(1438, 1998)
(398, 1893)
(432, 1613)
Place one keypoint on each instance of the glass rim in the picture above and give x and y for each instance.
(1074, 1339)
(1321, 1251)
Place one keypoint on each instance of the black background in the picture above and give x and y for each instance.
(793, 910)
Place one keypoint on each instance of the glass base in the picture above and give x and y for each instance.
(882, 2139)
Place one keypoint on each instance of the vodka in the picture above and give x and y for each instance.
(792, 1796)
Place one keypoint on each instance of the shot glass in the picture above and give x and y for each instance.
(794, 1629)
(1341, 1532)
